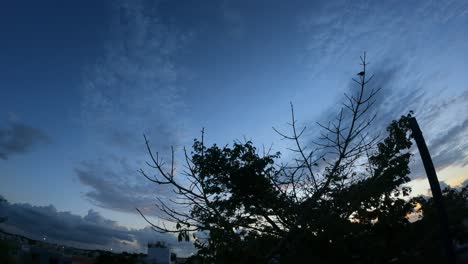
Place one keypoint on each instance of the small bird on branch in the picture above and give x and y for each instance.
(361, 73)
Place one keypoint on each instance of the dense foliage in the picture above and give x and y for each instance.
(342, 201)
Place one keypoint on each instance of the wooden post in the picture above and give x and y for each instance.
(435, 189)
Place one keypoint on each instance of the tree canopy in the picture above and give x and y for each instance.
(341, 198)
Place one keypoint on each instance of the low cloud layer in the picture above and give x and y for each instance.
(91, 231)
(18, 138)
(116, 185)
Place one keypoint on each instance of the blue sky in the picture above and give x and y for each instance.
(81, 82)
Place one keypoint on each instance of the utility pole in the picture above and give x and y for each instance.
(435, 189)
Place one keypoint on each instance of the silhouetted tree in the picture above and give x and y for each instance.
(426, 235)
(340, 200)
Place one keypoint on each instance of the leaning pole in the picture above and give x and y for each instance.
(435, 188)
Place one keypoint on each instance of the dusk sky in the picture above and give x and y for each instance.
(82, 81)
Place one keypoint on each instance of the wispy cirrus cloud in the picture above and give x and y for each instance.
(338, 30)
(414, 50)
(133, 90)
(439, 115)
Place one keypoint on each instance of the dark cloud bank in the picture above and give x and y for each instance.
(91, 231)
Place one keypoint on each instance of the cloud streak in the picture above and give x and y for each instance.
(19, 138)
(401, 30)
(412, 74)
(116, 185)
(447, 138)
